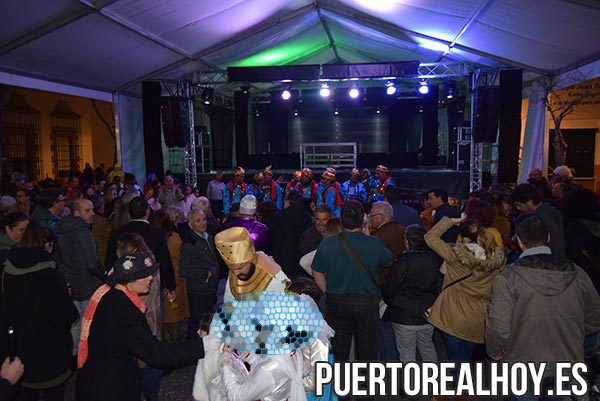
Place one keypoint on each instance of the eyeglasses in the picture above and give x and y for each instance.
(375, 214)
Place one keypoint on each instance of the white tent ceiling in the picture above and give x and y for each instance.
(111, 45)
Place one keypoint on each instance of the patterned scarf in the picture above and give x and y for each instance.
(88, 317)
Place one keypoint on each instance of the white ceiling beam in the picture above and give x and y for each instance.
(40, 84)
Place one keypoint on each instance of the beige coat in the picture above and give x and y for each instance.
(183, 310)
(460, 310)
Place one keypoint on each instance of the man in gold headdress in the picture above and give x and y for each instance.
(249, 271)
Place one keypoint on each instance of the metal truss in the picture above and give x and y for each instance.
(210, 78)
(442, 70)
(476, 176)
(484, 155)
(184, 90)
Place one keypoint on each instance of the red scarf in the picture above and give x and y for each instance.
(88, 317)
(381, 189)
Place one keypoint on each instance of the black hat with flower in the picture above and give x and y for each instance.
(130, 268)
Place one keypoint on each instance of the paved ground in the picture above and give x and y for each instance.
(177, 385)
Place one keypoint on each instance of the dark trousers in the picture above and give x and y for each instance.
(56, 393)
(217, 208)
(354, 315)
(200, 304)
(387, 342)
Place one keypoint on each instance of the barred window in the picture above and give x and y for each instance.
(66, 141)
(22, 130)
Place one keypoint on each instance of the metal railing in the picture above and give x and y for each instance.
(317, 155)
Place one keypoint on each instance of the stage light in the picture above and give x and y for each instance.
(325, 91)
(285, 93)
(208, 95)
(354, 92)
(296, 113)
(336, 112)
(245, 89)
(423, 87)
(390, 88)
(378, 111)
(450, 87)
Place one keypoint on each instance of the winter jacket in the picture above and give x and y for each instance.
(411, 286)
(44, 217)
(553, 220)
(183, 309)
(446, 210)
(460, 309)
(77, 257)
(286, 227)
(310, 240)
(119, 333)
(38, 306)
(197, 258)
(5, 244)
(541, 308)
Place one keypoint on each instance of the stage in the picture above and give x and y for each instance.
(411, 180)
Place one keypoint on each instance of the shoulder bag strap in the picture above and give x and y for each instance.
(356, 261)
(457, 281)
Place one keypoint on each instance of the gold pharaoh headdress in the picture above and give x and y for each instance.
(235, 246)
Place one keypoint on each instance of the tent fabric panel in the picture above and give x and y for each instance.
(441, 20)
(88, 51)
(274, 46)
(198, 25)
(20, 17)
(549, 38)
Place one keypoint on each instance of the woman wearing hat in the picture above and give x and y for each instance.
(115, 332)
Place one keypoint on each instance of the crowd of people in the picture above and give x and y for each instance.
(123, 279)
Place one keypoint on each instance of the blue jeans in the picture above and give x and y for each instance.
(150, 378)
(387, 342)
(590, 344)
(547, 382)
(200, 304)
(76, 327)
(458, 350)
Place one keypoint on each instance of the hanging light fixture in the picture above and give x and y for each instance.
(423, 87)
(285, 93)
(390, 88)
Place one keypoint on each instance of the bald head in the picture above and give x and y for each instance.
(84, 209)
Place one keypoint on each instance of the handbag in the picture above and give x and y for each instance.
(383, 307)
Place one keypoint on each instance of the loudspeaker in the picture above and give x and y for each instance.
(151, 119)
(511, 87)
(173, 121)
(430, 126)
(485, 124)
